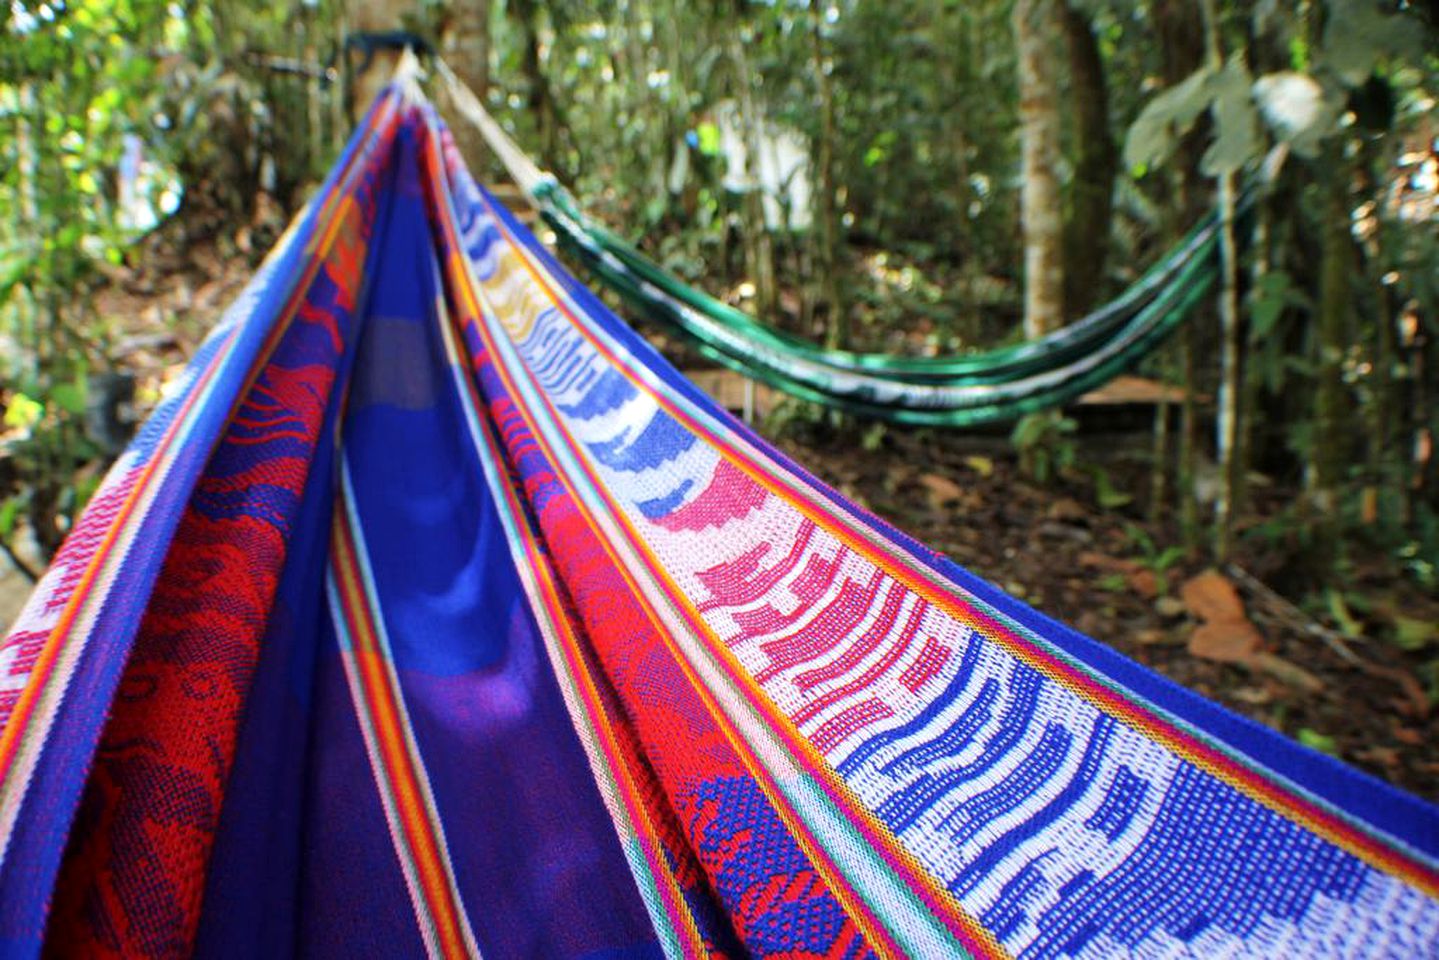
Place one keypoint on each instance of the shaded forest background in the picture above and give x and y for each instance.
(939, 177)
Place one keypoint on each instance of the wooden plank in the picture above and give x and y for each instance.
(1131, 390)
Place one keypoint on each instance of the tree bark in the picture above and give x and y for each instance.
(1231, 467)
(540, 100)
(826, 220)
(371, 17)
(759, 245)
(1330, 447)
(1096, 161)
(1180, 33)
(464, 42)
(1035, 24)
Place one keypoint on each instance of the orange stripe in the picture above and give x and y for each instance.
(398, 767)
(40, 674)
(877, 936)
(646, 835)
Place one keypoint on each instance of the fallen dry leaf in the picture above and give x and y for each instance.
(1066, 508)
(941, 490)
(1226, 641)
(1409, 736)
(1103, 561)
(1210, 596)
(1144, 583)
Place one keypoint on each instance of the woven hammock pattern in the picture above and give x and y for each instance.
(434, 613)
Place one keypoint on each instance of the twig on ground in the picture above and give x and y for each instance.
(1298, 618)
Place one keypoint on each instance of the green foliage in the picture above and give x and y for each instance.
(1106, 493)
(1359, 35)
(1318, 741)
(1157, 130)
(78, 82)
(1158, 560)
(1046, 445)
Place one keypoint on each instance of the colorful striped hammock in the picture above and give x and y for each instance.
(435, 613)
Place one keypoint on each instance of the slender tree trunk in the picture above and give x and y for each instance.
(464, 42)
(1261, 243)
(1180, 33)
(1096, 161)
(1035, 24)
(1383, 387)
(826, 222)
(541, 100)
(759, 245)
(1227, 441)
(1331, 428)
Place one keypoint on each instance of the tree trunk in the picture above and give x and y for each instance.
(1180, 33)
(826, 221)
(541, 100)
(464, 42)
(366, 80)
(1227, 428)
(1331, 428)
(759, 245)
(1096, 161)
(1036, 24)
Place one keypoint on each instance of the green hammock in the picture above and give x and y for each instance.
(999, 365)
(1020, 380)
(956, 391)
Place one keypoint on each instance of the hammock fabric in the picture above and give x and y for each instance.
(435, 613)
(998, 385)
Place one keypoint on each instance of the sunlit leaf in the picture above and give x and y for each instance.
(1165, 119)
(23, 412)
(1236, 122)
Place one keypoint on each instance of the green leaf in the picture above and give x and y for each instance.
(70, 397)
(1274, 292)
(1411, 633)
(1105, 492)
(1339, 610)
(1113, 582)
(1165, 119)
(1318, 741)
(1236, 122)
(709, 138)
(984, 466)
(1168, 558)
(9, 511)
(23, 412)
(1357, 35)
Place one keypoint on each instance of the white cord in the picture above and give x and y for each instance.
(524, 171)
(407, 77)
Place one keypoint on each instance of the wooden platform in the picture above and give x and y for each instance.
(739, 394)
(1131, 390)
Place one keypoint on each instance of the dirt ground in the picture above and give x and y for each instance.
(1103, 569)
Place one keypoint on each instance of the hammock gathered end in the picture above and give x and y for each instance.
(436, 614)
